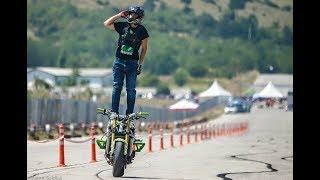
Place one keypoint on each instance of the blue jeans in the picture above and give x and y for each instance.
(124, 69)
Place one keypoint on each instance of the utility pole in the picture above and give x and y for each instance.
(240, 87)
(249, 33)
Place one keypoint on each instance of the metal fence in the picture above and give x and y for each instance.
(52, 111)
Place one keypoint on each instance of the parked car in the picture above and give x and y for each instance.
(238, 105)
(290, 101)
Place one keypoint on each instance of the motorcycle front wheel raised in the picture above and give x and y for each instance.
(119, 160)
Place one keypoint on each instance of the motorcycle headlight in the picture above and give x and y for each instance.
(121, 128)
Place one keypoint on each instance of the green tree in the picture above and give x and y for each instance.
(148, 80)
(286, 8)
(84, 82)
(39, 83)
(41, 53)
(197, 70)
(72, 80)
(272, 4)
(287, 35)
(206, 22)
(59, 37)
(103, 2)
(149, 5)
(210, 1)
(180, 76)
(162, 89)
(187, 2)
(187, 10)
(238, 4)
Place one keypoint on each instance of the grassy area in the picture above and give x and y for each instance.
(199, 84)
(237, 85)
(282, 3)
(125, 4)
(267, 15)
(212, 113)
(206, 116)
(155, 102)
(85, 4)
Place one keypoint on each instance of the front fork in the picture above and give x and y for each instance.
(128, 141)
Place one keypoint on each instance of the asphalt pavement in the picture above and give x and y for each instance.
(264, 151)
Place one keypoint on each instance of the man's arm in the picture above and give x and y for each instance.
(109, 23)
(144, 47)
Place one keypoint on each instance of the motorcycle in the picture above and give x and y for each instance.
(120, 144)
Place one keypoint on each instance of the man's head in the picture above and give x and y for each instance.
(135, 15)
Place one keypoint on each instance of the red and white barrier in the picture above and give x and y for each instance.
(188, 136)
(161, 139)
(93, 144)
(181, 137)
(206, 131)
(150, 140)
(196, 134)
(61, 146)
(171, 139)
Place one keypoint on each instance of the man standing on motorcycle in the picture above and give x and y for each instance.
(128, 63)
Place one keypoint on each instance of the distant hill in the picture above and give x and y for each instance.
(267, 12)
(212, 38)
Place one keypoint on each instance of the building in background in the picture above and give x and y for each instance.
(290, 100)
(55, 76)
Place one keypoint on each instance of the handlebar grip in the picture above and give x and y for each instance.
(138, 115)
(143, 113)
(103, 111)
(100, 110)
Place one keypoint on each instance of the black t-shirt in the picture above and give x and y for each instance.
(129, 40)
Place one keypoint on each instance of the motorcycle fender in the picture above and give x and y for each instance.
(125, 145)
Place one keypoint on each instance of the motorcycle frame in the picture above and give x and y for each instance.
(115, 139)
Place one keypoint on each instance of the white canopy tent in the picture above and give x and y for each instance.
(184, 105)
(270, 91)
(214, 90)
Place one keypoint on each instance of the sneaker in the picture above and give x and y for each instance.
(113, 115)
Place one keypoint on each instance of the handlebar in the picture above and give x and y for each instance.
(138, 115)
(135, 115)
(103, 111)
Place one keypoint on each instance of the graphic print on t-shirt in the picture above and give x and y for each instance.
(126, 50)
(128, 39)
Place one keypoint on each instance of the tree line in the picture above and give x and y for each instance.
(181, 42)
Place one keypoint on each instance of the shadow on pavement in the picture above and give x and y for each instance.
(135, 177)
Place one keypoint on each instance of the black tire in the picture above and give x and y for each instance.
(119, 160)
